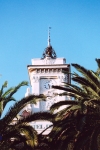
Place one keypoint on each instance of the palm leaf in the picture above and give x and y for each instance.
(38, 116)
(30, 134)
(72, 95)
(8, 100)
(85, 82)
(61, 103)
(98, 62)
(23, 83)
(3, 86)
(7, 92)
(90, 75)
(78, 93)
(14, 110)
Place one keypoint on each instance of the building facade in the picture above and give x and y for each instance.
(43, 73)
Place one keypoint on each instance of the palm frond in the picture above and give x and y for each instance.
(7, 92)
(98, 62)
(95, 101)
(81, 69)
(71, 90)
(72, 95)
(30, 134)
(18, 138)
(38, 116)
(62, 103)
(89, 74)
(8, 100)
(85, 82)
(23, 83)
(16, 108)
(2, 88)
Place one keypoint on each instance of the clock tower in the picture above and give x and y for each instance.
(45, 72)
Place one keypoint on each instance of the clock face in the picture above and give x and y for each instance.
(46, 84)
(46, 89)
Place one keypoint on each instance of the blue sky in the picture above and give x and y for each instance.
(75, 34)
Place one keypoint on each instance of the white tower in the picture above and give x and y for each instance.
(45, 72)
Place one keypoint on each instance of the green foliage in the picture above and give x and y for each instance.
(77, 126)
(7, 96)
(19, 135)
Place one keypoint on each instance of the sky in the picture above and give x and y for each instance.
(75, 35)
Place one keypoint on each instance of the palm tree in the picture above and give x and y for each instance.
(7, 96)
(11, 135)
(21, 131)
(79, 122)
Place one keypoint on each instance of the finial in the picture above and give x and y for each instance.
(49, 36)
(49, 51)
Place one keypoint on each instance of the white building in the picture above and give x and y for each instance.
(43, 73)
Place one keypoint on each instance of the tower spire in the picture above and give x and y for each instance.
(49, 51)
(49, 37)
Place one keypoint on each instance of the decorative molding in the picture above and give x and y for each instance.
(48, 61)
(36, 78)
(63, 78)
(47, 70)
